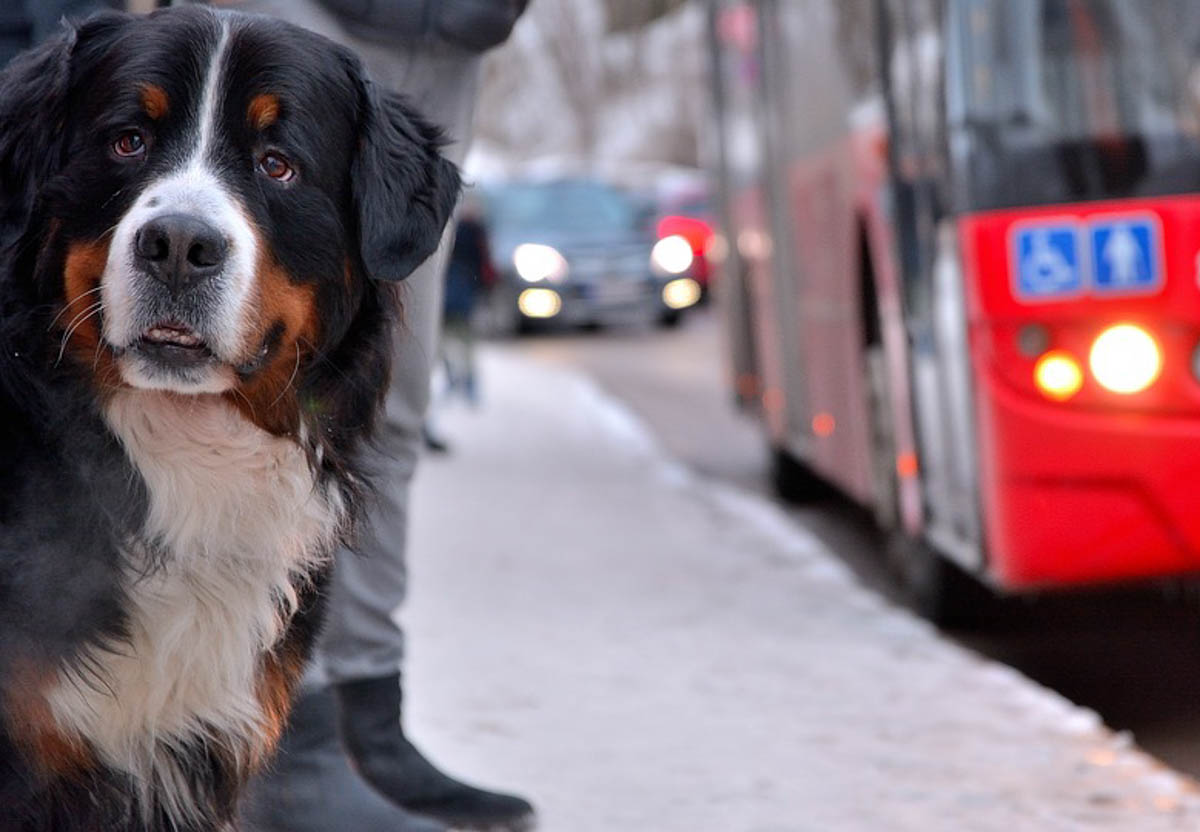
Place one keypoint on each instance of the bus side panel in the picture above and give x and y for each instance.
(829, 320)
(1097, 488)
(810, 132)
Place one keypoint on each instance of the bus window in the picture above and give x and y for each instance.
(913, 59)
(1070, 100)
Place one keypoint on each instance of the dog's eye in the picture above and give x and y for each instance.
(276, 167)
(130, 144)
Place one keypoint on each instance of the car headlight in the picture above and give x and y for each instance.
(672, 255)
(681, 293)
(535, 262)
(539, 303)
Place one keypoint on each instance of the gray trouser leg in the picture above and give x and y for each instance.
(362, 638)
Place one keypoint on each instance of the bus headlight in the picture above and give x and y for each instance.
(1058, 375)
(1125, 359)
(535, 263)
(672, 255)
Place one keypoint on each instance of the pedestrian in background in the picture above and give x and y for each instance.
(431, 51)
(469, 275)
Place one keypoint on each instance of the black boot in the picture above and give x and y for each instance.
(310, 786)
(369, 717)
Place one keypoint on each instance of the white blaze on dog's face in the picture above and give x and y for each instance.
(181, 266)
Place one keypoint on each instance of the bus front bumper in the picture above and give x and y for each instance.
(1075, 497)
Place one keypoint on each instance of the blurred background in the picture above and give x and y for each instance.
(917, 278)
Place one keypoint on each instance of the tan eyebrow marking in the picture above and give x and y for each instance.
(155, 101)
(263, 111)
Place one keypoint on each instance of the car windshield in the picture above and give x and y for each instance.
(563, 207)
(1065, 100)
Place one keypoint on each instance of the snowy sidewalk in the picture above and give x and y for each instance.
(639, 650)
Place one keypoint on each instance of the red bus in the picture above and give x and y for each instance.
(961, 266)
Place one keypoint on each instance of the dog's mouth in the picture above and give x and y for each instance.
(175, 344)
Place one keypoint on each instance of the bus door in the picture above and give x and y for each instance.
(918, 62)
(812, 145)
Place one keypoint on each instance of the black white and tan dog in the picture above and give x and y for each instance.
(203, 215)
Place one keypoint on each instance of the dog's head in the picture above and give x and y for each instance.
(214, 202)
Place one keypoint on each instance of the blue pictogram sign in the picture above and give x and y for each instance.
(1126, 254)
(1048, 261)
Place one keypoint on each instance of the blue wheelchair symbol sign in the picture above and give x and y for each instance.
(1125, 254)
(1048, 261)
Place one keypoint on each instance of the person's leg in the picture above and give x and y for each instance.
(362, 638)
(311, 786)
(470, 366)
(362, 648)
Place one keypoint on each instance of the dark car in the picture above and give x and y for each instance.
(582, 252)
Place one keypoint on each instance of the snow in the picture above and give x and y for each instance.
(637, 647)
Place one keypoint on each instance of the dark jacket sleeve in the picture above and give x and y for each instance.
(474, 25)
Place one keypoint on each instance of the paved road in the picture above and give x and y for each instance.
(1134, 658)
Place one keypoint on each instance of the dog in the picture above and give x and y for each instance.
(203, 215)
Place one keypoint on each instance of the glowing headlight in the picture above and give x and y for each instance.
(1125, 359)
(1058, 375)
(539, 303)
(672, 255)
(535, 263)
(681, 293)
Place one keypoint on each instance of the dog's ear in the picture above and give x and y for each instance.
(34, 94)
(404, 189)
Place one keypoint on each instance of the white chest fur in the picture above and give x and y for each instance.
(237, 517)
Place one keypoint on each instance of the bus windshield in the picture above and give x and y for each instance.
(1054, 101)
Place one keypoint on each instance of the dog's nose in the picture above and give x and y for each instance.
(180, 250)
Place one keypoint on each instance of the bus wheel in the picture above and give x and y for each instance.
(938, 589)
(794, 481)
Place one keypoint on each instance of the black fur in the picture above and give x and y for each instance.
(422, 188)
(373, 196)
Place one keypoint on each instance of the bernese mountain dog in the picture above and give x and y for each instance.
(203, 215)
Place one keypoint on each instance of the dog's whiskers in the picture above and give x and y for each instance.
(67, 306)
(79, 320)
(290, 381)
